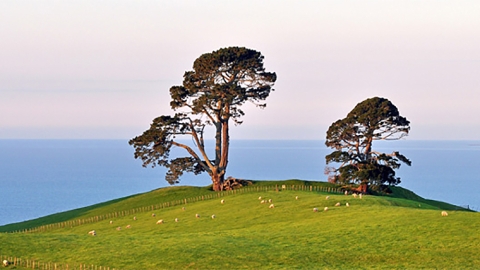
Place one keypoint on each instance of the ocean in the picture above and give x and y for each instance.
(42, 177)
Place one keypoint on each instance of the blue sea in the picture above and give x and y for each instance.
(42, 177)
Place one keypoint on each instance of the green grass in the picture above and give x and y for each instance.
(399, 231)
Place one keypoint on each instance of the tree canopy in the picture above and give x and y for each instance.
(212, 94)
(352, 138)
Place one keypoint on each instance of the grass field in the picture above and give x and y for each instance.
(402, 231)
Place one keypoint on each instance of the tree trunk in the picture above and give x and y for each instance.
(217, 180)
(363, 188)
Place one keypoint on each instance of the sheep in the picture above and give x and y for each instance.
(222, 201)
(153, 215)
(93, 233)
(354, 195)
(347, 204)
(213, 216)
(176, 219)
(263, 201)
(134, 218)
(296, 197)
(5, 263)
(260, 198)
(197, 215)
(328, 197)
(271, 206)
(444, 214)
(160, 221)
(119, 228)
(315, 209)
(111, 221)
(183, 208)
(337, 204)
(269, 200)
(346, 192)
(128, 226)
(325, 209)
(360, 195)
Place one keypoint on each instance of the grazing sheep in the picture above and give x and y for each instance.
(153, 215)
(134, 218)
(315, 209)
(271, 206)
(296, 197)
(328, 197)
(160, 221)
(213, 216)
(222, 201)
(360, 195)
(176, 219)
(346, 192)
(347, 204)
(354, 195)
(119, 228)
(263, 201)
(444, 214)
(183, 208)
(269, 200)
(197, 215)
(5, 263)
(128, 226)
(325, 209)
(337, 204)
(92, 233)
(111, 221)
(259, 198)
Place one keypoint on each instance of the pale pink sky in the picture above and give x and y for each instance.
(102, 69)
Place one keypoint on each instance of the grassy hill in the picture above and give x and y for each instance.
(401, 230)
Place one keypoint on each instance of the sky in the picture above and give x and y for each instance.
(103, 69)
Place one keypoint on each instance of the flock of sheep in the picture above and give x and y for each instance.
(262, 201)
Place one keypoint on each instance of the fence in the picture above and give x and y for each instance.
(123, 213)
(36, 264)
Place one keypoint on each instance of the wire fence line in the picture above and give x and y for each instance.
(40, 265)
(123, 213)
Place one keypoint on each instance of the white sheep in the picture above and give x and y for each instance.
(153, 215)
(315, 209)
(269, 200)
(119, 228)
(260, 198)
(92, 233)
(328, 197)
(5, 263)
(183, 208)
(296, 197)
(263, 201)
(360, 195)
(134, 218)
(347, 204)
(271, 206)
(444, 214)
(337, 204)
(325, 209)
(111, 221)
(176, 219)
(160, 221)
(354, 195)
(213, 216)
(346, 192)
(128, 226)
(222, 201)
(197, 215)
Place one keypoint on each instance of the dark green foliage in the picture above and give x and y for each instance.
(352, 137)
(211, 95)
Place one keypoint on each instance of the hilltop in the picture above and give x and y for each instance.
(399, 230)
